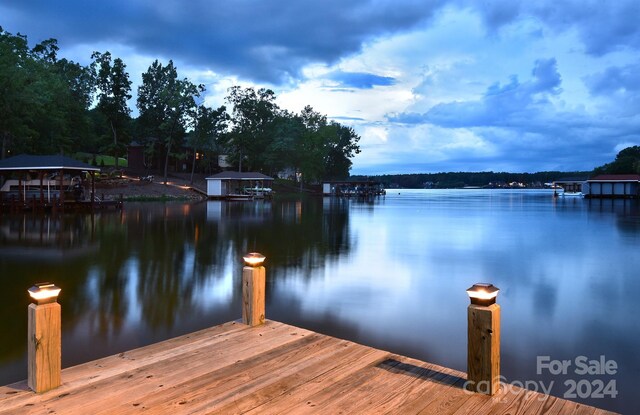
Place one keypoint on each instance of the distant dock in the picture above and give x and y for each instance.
(272, 368)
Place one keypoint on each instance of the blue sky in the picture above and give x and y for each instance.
(430, 85)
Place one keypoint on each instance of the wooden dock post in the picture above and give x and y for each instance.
(253, 289)
(44, 339)
(483, 336)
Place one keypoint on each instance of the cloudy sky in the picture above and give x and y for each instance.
(430, 85)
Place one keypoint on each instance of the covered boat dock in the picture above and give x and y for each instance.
(233, 185)
(49, 182)
(355, 188)
(614, 186)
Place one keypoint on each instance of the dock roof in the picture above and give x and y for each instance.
(616, 178)
(235, 175)
(51, 162)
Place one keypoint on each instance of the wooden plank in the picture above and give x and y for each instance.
(113, 365)
(183, 354)
(339, 391)
(135, 382)
(385, 388)
(538, 404)
(257, 381)
(207, 387)
(334, 370)
(443, 394)
(269, 388)
(270, 369)
(44, 347)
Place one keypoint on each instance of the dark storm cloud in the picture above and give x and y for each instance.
(360, 80)
(615, 79)
(254, 39)
(272, 40)
(602, 26)
(619, 88)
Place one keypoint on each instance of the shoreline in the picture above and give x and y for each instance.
(133, 189)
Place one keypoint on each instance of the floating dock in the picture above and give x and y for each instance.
(273, 368)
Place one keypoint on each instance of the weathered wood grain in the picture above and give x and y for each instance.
(270, 369)
(483, 351)
(253, 295)
(44, 347)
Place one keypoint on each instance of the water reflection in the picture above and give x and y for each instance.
(389, 272)
(154, 269)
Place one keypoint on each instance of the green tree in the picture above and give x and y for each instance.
(324, 150)
(627, 162)
(167, 105)
(40, 111)
(311, 148)
(253, 116)
(283, 152)
(208, 131)
(114, 90)
(16, 94)
(342, 145)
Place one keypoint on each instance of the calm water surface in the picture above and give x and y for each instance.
(391, 273)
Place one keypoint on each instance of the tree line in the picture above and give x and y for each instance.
(454, 180)
(54, 105)
(627, 161)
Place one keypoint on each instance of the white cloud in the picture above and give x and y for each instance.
(457, 73)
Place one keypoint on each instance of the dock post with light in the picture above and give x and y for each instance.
(44, 338)
(253, 289)
(483, 347)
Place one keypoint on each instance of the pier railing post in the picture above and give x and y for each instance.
(253, 289)
(483, 347)
(44, 338)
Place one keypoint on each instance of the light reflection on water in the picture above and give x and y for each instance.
(389, 273)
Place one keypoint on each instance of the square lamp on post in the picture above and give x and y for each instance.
(483, 339)
(253, 289)
(44, 338)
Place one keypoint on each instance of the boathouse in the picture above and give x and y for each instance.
(233, 184)
(352, 188)
(613, 186)
(571, 184)
(35, 181)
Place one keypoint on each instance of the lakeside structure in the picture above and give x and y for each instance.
(45, 182)
(604, 186)
(613, 186)
(571, 184)
(238, 185)
(349, 188)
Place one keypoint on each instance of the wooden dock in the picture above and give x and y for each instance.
(270, 369)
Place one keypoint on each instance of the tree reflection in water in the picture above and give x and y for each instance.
(155, 269)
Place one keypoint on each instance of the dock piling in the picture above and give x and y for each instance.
(483, 340)
(253, 289)
(44, 339)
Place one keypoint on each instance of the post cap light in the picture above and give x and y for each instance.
(44, 293)
(483, 294)
(253, 259)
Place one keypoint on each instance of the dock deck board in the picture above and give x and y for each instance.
(270, 369)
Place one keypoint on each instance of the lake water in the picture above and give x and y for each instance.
(389, 273)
